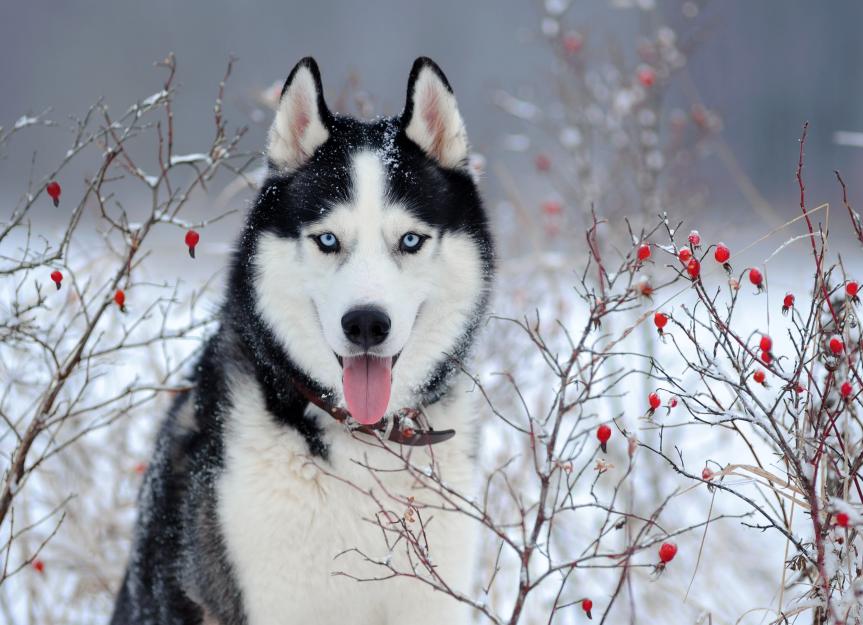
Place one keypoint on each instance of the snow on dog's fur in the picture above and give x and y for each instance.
(362, 274)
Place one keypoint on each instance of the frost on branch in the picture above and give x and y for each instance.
(82, 382)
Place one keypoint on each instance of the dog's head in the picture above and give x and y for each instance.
(370, 249)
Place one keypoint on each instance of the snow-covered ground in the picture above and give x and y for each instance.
(730, 572)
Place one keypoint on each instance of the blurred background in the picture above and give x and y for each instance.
(633, 107)
(762, 68)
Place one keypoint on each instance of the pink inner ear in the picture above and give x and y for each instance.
(433, 118)
(299, 124)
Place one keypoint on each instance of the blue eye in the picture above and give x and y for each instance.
(327, 242)
(411, 242)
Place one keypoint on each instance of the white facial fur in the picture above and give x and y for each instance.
(429, 296)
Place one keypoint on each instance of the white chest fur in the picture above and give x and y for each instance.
(287, 516)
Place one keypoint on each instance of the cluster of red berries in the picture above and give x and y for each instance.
(53, 190)
(722, 255)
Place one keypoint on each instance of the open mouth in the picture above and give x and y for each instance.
(342, 360)
(366, 384)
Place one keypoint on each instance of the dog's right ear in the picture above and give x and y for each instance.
(302, 118)
(431, 118)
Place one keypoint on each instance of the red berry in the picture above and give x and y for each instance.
(39, 566)
(542, 162)
(57, 277)
(552, 207)
(192, 238)
(693, 268)
(573, 42)
(603, 433)
(788, 302)
(722, 253)
(120, 299)
(684, 255)
(706, 474)
(759, 376)
(646, 76)
(766, 343)
(694, 238)
(643, 252)
(852, 288)
(673, 402)
(799, 388)
(53, 189)
(667, 552)
(766, 358)
(846, 389)
(654, 401)
(755, 277)
(837, 346)
(842, 519)
(660, 319)
(587, 606)
(141, 468)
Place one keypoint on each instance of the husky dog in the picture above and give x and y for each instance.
(359, 280)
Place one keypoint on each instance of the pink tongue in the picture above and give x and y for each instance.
(366, 383)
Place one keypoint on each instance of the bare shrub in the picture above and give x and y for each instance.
(93, 341)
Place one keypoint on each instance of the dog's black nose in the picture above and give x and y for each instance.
(366, 327)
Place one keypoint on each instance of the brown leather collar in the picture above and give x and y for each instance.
(405, 428)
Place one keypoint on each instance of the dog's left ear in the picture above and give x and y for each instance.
(431, 118)
(302, 119)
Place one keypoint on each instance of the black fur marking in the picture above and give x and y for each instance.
(421, 63)
(312, 65)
